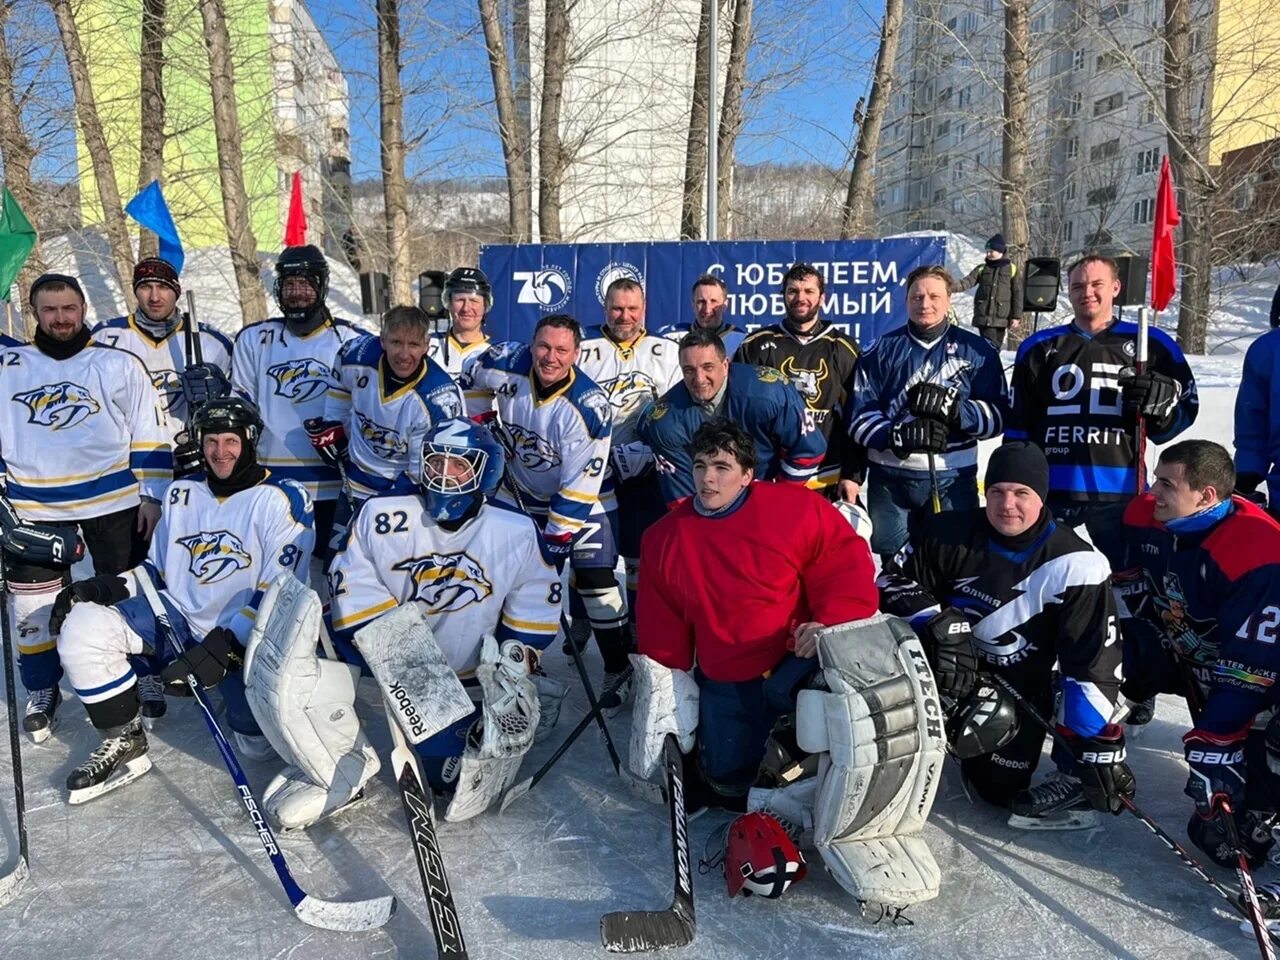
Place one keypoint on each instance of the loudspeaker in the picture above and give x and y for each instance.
(1040, 284)
(373, 293)
(431, 292)
(1133, 281)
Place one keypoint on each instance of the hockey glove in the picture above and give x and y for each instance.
(209, 661)
(187, 456)
(924, 435)
(948, 642)
(935, 401)
(202, 382)
(1149, 393)
(329, 438)
(105, 589)
(44, 546)
(1216, 770)
(1104, 775)
(630, 460)
(1247, 486)
(556, 548)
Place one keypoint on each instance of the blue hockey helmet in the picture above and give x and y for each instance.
(461, 466)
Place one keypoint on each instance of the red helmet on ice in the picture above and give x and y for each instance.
(760, 858)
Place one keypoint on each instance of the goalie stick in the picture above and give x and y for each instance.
(325, 914)
(632, 931)
(12, 882)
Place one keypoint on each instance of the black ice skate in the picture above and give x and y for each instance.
(122, 758)
(40, 720)
(1058, 803)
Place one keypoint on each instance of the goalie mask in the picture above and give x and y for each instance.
(760, 858)
(982, 722)
(461, 466)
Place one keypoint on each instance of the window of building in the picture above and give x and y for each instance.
(1038, 24)
(1069, 192)
(1073, 104)
(940, 196)
(1242, 199)
(1106, 61)
(1146, 161)
(1147, 111)
(957, 205)
(1114, 11)
(1078, 59)
(944, 128)
(1073, 148)
(1105, 150)
(1068, 230)
(1144, 211)
(965, 98)
(1107, 104)
(1101, 195)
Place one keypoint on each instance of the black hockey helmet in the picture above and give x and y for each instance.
(469, 280)
(230, 414)
(308, 262)
(982, 722)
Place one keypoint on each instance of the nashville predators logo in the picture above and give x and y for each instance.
(215, 556)
(446, 582)
(531, 450)
(58, 405)
(630, 388)
(770, 375)
(168, 385)
(300, 380)
(384, 441)
(808, 382)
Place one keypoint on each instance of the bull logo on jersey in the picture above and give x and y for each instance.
(215, 556)
(58, 405)
(531, 450)
(446, 582)
(169, 385)
(300, 380)
(1187, 635)
(807, 382)
(383, 441)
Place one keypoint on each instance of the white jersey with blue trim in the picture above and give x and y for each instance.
(451, 354)
(81, 437)
(631, 374)
(488, 577)
(558, 446)
(165, 359)
(382, 427)
(288, 377)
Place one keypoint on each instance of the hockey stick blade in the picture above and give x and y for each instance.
(350, 917)
(14, 881)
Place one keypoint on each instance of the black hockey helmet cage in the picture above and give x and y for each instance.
(469, 280)
(229, 414)
(308, 262)
(982, 722)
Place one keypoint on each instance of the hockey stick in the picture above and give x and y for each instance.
(426, 846)
(1248, 893)
(632, 931)
(936, 500)
(12, 882)
(518, 790)
(325, 914)
(1140, 428)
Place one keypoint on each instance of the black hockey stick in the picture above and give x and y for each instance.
(1247, 891)
(12, 882)
(426, 846)
(325, 914)
(518, 790)
(633, 931)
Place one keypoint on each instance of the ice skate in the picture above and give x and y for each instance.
(121, 758)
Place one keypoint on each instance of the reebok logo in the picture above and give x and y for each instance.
(407, 710)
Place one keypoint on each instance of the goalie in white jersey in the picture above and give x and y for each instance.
(468, 296)
(223, 537)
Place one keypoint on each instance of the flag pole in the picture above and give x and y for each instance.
(1140, 429)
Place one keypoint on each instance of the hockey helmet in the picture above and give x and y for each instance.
(468, 280)
(982, 722)
(230, 414)
(858, 518)
(461, 465)
(308, 262)
(760, 858)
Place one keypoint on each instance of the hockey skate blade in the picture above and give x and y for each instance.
(639, 931)
(350, 917)
(42, 736)
(645, 790)
(10, 885)
(1061, 820)
(133, 769)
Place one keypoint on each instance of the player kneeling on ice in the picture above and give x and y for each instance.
(1007, 591)
(744, 578)
(222, 537)
(469, 595)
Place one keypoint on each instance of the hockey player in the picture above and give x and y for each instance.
(709, 295)
(161, 336)
(285, 365)
(1257, 421)
(923, 396)
(223, 537)
(789, 445)
(1202, 582)
(389, 393)
(818, 360)
(468, 296)
(1008, 591)
(83, 442)
(1076, 394)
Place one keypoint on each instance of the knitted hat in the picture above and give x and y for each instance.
(155, 270)
(996, 243)
(47, 278)
(1019, 462)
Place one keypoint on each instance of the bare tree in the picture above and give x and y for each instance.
(17, 153)
(511, 130)
(1016, 135)
(391, 112)
(731, 116)
(695, 158)
(95, 140)
(855, 219)
(553, 158)
(151, 134)
(226, 124)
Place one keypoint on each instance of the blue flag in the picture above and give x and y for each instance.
(150, 210)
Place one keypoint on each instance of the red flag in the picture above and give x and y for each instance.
(1164, 265)
(295, 229)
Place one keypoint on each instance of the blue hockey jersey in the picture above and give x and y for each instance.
(1258, 414)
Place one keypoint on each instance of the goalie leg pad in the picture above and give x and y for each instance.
(666, 701)
(880, 732)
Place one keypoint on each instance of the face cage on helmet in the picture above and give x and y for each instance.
(441, 481)
(772, 882)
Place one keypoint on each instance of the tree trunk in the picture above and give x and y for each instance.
(552, 161)
(695, 156)
(151, 126)
(395, 198)
(17, 153)
(1017, 133)
(731, 114)
(855, 220)
(95, 140)
(226, 124)
(515, 144)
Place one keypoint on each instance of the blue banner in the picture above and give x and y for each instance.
(865, 280)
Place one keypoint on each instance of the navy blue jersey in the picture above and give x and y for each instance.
(1258, 414)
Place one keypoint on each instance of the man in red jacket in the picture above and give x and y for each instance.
(737, 581)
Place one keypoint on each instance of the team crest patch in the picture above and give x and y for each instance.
(215, 556)
(807, 382)
(168, 385)
(656, 412)
(533, 452)
(623, 388)
(597, 404)
(58, 405)
(383, 441)
(300, 380)
(770, 375)
(446, 400)
(446, 582)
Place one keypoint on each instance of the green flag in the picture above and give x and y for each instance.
(17, 237)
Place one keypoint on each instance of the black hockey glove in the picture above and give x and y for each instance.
(105, 589)
(202, 382)
(935, 401)
(187, 456)
(44, 546)
(1247, 486)
(329, 438)
(1150, 394)
(209, 661)
(1215, 771)
(1104, 774)
(948, 643)
(924, 435)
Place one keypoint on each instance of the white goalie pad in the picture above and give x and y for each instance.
(305, 705)
(665, 701)
(416, 679)
(879, 733)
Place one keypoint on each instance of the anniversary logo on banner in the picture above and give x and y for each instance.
(865, 280)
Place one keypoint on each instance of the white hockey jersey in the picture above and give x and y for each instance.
(488, 577)
(632, 375)
(214, 559)
(558, 447)
(450, 354)
(383, 427)
(81, 437)
(288, 376)
(166, 359)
